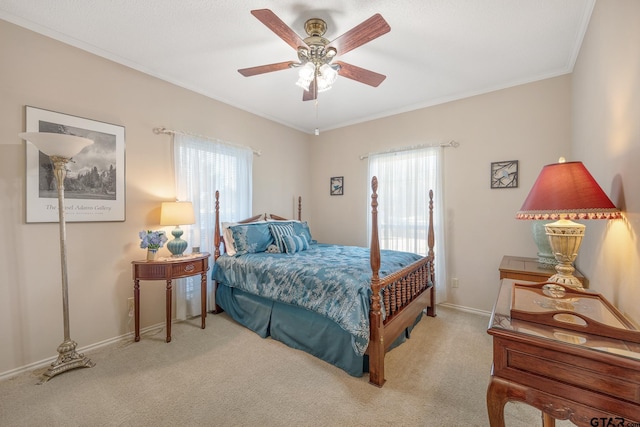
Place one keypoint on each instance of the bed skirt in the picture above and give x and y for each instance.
(298, 328)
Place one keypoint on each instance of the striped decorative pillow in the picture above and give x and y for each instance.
(293, 244)
(278, 231)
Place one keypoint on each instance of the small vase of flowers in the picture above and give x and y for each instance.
(152, 241)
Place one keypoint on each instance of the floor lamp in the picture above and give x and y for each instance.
(61, 148)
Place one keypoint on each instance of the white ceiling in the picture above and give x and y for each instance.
(436, 51)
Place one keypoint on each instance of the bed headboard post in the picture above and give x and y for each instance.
(299, 208)
(216, 234)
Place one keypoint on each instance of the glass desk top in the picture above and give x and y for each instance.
(583, 319)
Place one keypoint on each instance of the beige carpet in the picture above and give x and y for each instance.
(226, 375)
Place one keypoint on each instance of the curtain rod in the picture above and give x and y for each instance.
(163, 130)
(452, 143)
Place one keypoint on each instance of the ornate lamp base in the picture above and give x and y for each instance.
(569, 281)
(68, 359)
(565, 238)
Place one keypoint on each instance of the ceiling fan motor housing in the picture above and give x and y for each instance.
(315, 27)
(317, 52)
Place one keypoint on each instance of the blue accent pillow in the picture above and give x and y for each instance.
(293, 244)
(251, 238)
(278, 230)
(302, 229)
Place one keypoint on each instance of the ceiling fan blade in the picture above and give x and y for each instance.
(312, 93)
(370, 29)
(282, 30)
(360, 74)
(261, 69)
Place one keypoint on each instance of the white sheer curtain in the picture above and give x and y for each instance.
(404, 181)
(203, 166)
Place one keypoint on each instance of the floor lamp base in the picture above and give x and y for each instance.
(68, 359)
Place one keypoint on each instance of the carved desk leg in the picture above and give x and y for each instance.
(499, 392)
(548, 420)
(497, 397)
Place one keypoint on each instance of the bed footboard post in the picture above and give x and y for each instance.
(431, 310)
(216, 248)
(299, 208)
(376, 339)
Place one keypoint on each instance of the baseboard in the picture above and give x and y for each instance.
(467, 309)
(46, 362)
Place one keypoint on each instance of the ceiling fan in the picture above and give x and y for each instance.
(315, 53)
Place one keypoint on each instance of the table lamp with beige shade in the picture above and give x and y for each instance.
(177, 213)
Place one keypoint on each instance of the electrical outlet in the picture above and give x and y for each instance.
(131, 306)
(454, 282)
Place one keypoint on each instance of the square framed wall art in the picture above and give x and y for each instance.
(504, 174)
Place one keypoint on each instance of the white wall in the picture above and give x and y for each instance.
(606, 137)
(529, 123)
(43, 73)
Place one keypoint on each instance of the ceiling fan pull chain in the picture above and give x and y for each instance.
(317, 131)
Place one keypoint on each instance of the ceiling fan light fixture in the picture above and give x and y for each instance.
(305, 75)
(328, 73)
(327, 76)
(323, 85)
(304, 84)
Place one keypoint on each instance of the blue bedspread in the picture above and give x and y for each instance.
(331, 280)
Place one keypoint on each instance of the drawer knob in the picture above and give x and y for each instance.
(189, 268)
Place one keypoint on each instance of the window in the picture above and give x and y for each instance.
(203, 166)
(404, 181)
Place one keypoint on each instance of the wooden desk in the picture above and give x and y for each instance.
(521, 268)
(168, 269)
(588, 379)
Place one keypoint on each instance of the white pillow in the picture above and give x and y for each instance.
(227, 236)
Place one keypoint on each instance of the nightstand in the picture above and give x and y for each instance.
(522, 268)
(168, 269)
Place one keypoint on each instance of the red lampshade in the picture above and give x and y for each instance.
(567, 191)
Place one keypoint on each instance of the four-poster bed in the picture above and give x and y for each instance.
(345, 305)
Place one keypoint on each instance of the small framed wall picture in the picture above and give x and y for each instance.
(336, 186)
(504, 174)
